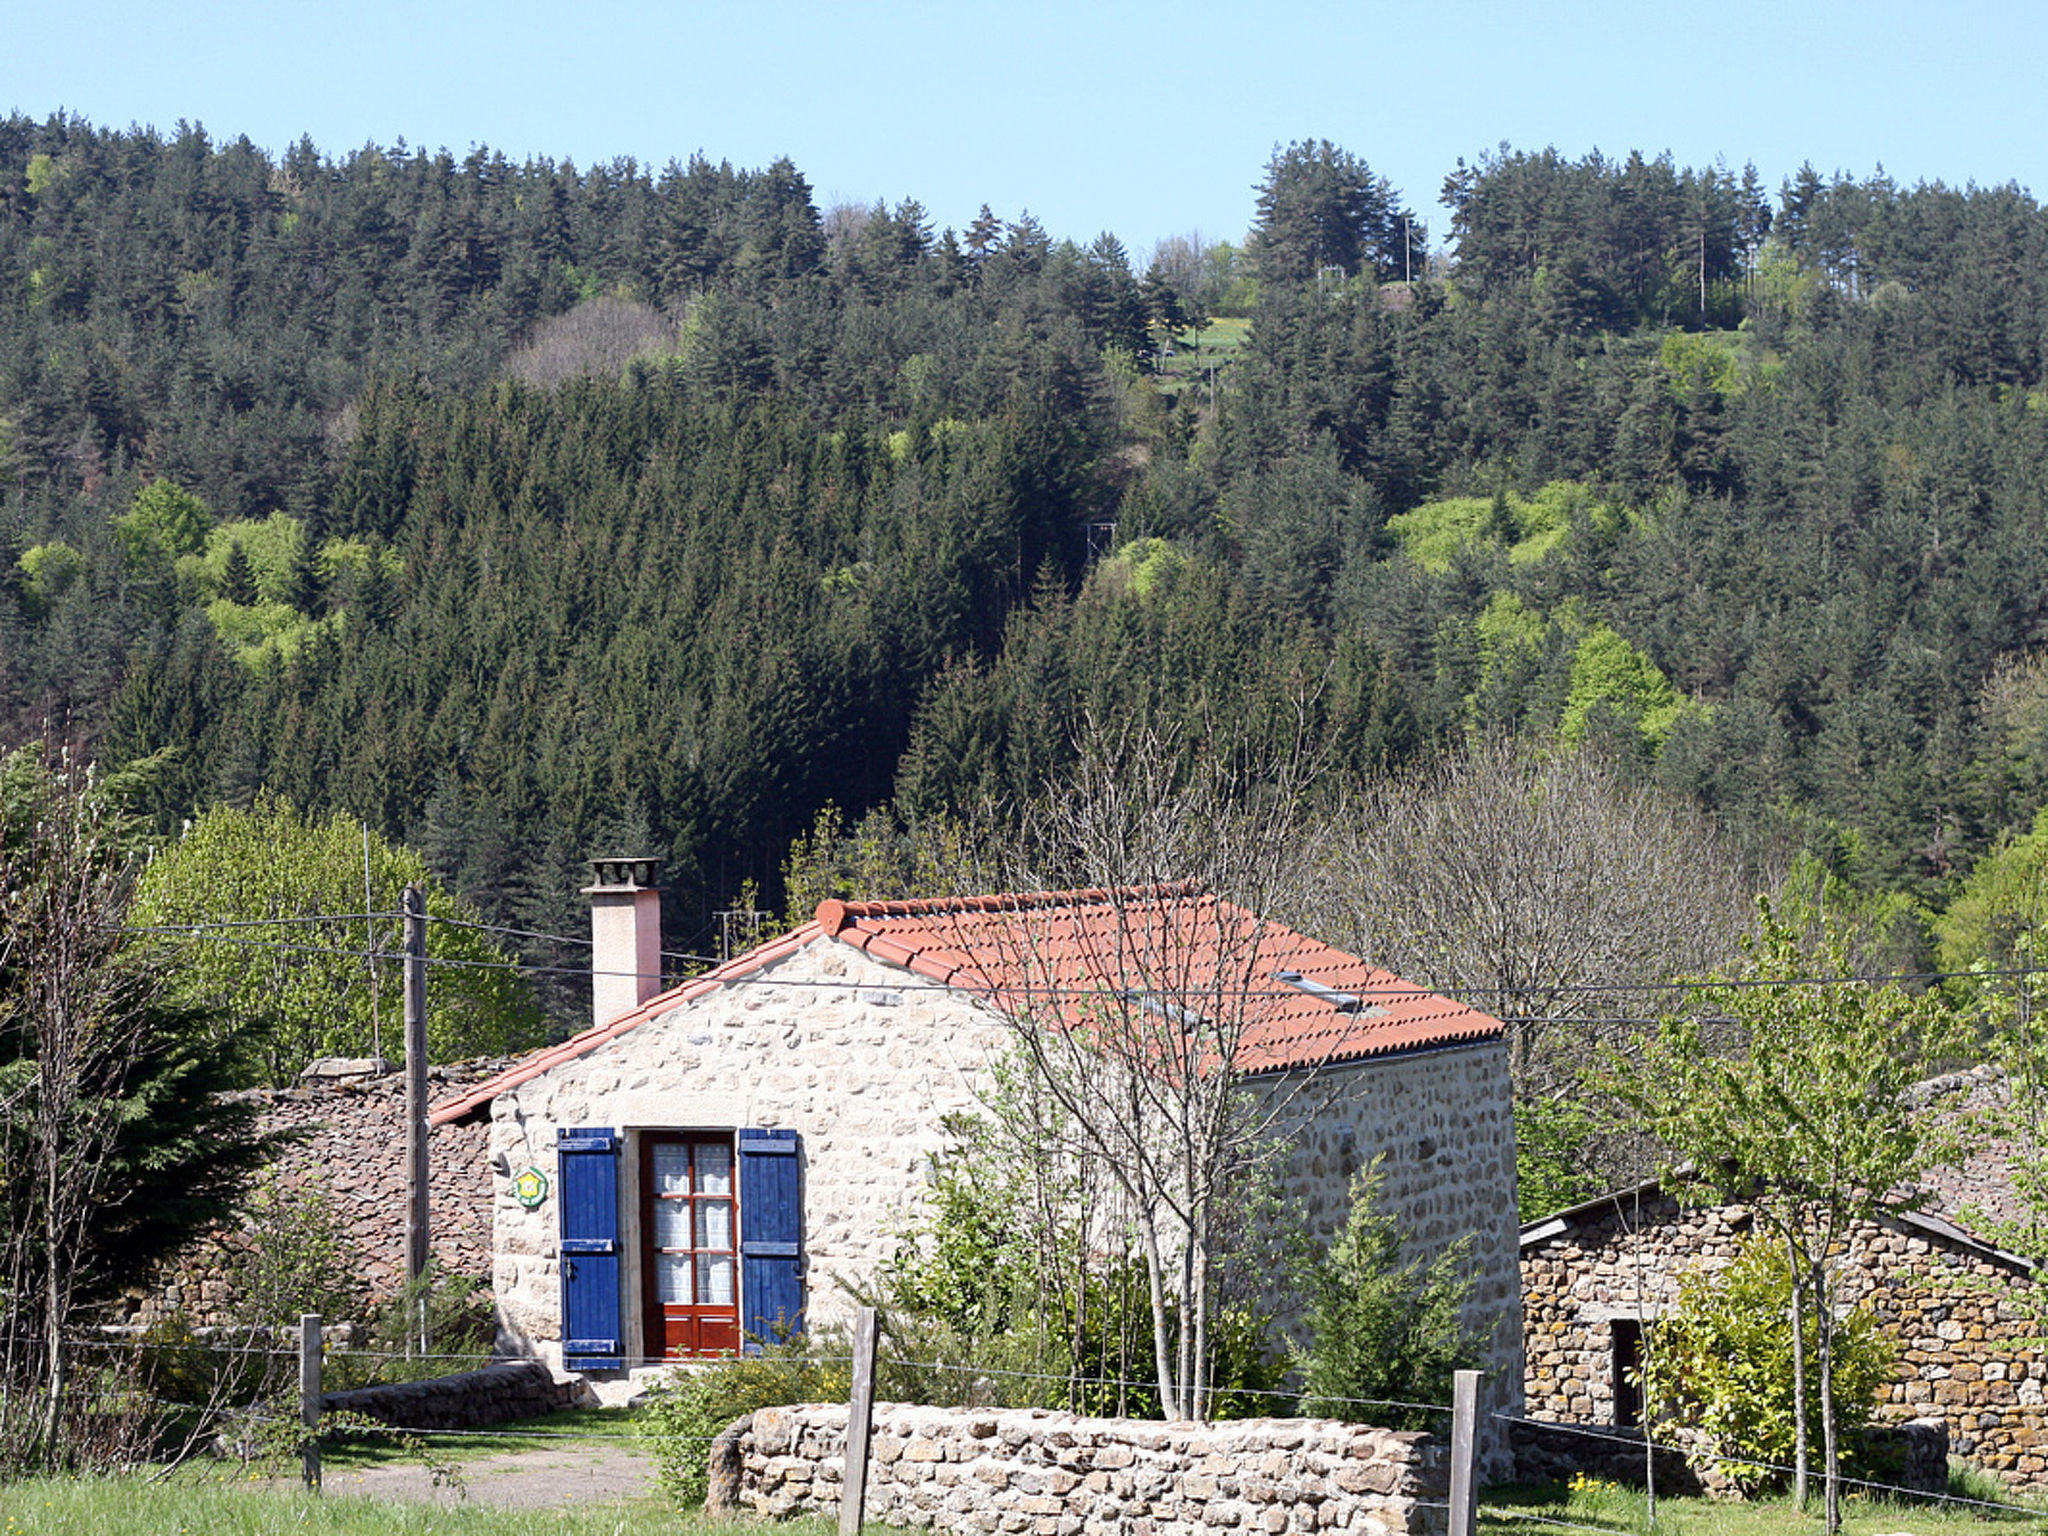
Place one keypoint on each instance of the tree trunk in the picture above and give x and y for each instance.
(1184, 1341)
(1800, 1490)
(1162, 1351)
(53, 1293)
(1824, 1341)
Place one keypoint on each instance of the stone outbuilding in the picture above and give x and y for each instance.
(703, 1165)
(1966, 1316)
(340, 1136)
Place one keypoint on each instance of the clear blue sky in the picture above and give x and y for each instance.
(1146, 118)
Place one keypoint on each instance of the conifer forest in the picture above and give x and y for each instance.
(529, 511)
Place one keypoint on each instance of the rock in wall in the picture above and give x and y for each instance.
(972, 1471)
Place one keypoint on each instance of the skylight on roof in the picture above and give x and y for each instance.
(1343, 1002)
(1161, 1008)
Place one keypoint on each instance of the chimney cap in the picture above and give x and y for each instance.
(624, 873)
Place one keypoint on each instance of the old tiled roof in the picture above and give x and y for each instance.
(1297, 1001)
(1166, 952)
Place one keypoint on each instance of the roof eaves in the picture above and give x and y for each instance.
(1358, 1054)
(582, 1044)
(1545, 1227)
(1947, 1231)
(840, 924)
(1925, 1222)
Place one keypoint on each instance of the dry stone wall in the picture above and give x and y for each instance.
(496, 1394)
(1035, 1473)
(347, 1140)
(1960, 1316)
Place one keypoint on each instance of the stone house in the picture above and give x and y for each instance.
(704, 1164)
(1964, 1315)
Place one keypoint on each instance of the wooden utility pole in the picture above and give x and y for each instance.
(370, 952)
(309, 1398)
(1464, 1452)
(860, 1426)
(416, 1090)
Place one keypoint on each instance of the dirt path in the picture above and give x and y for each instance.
(542, 1479)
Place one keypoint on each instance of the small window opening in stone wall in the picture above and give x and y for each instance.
(1627, 1366)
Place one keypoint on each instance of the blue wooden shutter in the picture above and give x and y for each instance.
(587, 1159)
(771, 1236)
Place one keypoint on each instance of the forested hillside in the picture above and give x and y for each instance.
(526, 509)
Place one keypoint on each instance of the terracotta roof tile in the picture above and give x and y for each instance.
(1298, 1002)
(1166, 951)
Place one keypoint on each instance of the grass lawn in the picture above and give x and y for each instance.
(566, 1427)
(1591, 1505)
(1218, 342)
(134, 1507)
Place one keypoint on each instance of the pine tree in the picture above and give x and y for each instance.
(238, 578)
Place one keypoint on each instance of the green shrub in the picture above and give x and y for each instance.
(296, 1256)
(991, 1300)
(459, 1325)
(688, 1408)
(1383, 1327)
(1721, 1362)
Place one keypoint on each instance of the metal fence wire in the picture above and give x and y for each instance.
(1635, 1442)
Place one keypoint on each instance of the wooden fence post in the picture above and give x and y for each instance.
(309, 1396)
(1464, 1452)
(860, 1426)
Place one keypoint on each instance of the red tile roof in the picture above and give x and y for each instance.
(1168, 952)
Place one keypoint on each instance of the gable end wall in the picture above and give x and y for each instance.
(863, 1060)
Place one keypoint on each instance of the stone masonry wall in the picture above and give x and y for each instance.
(1959, 1317)
(497, 1394)
(348, 1140)
(1036, 1473)
(1441, 1124)
(864, 1060)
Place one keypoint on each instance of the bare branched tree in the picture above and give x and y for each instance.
(1545, 889)
(596, 339)
(110, 1147)
(1537, 887)
(1135, 994)
(71, 1034)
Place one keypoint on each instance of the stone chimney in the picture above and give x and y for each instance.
(625, 936)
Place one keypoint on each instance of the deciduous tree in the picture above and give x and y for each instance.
(245, 893)
(1806, 1119)
(1140, 1065)
(1547, 889)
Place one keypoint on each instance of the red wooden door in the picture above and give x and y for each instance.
(691, 1221)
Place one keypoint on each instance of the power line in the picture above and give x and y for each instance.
(280, 946)
(1405, 992)
(517, 933)
(557, 938)
(255, 922)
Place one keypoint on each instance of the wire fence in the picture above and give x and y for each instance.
(1063, 1382)
(1695, 1454)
